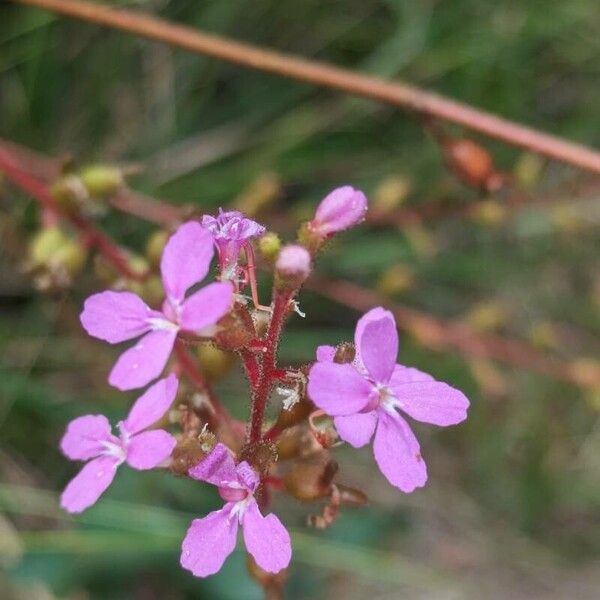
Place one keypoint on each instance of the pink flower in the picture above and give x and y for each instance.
(339, 210)
(119, 316)
(89, 438)
(367, 396)
(209, 541)
(231, 230)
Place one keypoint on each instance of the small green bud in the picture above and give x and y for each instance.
(101, 181)
(68, 191)
(44, 244)
(269, 246)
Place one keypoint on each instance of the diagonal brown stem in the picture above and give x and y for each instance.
(395, 93)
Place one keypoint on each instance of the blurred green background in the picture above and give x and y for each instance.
(512, 507)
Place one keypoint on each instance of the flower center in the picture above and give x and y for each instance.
(116, 449)
(233, 494)
(381, 396)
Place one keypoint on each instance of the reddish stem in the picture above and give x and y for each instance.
(251, 366)
(262, 390)
(94, 237)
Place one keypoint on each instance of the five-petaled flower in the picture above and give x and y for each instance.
(231, 231)
(90, 438)
(119, 316)
(209, 541)
(365, 397)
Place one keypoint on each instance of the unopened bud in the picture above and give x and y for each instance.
(395, 280)
(390, 194)
(292, 266)
(188, 452)
(472, 163)
(528, 169)
(55, 258)
(489, 213)
(311, 479)
(214, 362)
(487, 316)
(69, 192)
(234, 331)
(44, 244)
(296, 413)
(339, 210)
(101, 181)
(269, 246)
(344, 353)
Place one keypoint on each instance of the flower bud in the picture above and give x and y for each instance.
(214, 362)
(55, 258)
(296, 413)
(396, 280)
(339, 210)
(344, 353)
(187, 453)
(311, 479)
(235, 332)
(101, 181)
(292, 266)
(44, 244)
(69, 192)
(269, 246)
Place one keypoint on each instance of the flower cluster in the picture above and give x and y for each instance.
(358, 385)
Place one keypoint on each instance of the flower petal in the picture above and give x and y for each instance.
(375, 314)
(326, 353)
(247, 476)
(89, 484)
(432, 402)
(404, 374)
(379, 348)
(83, 437)
(208, 542)
(144, 362)
(338, 389)
(398, 453)
(186, 259)
(356, 429)
(148, 449)
(151, 405)
(115, 316)
(266, 539)
(217, 467)
(206, 306)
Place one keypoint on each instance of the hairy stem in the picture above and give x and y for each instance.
(268, 371)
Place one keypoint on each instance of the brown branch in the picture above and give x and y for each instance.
(441, 335)
(395, 93)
